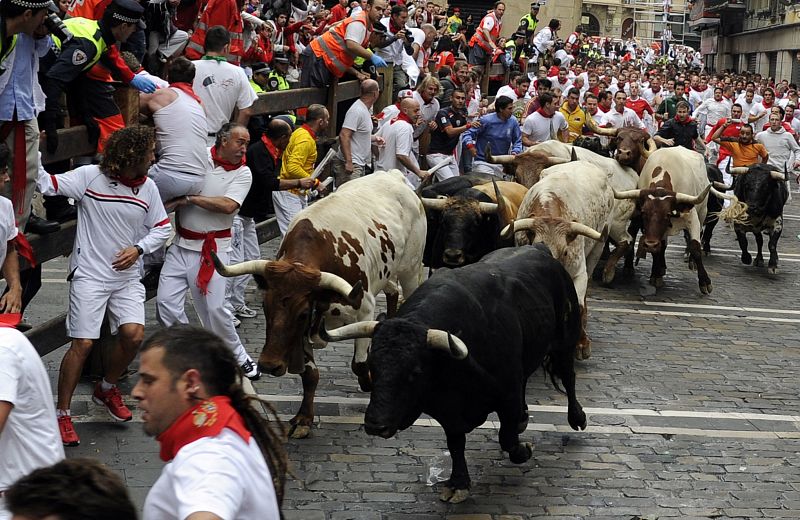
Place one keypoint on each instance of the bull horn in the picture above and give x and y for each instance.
(738, 170)
(552, 161)
(778, 176)
(500, 159)
(249, 267)
(518, 225)
(628, 194)
(487, 208)
(694, 201)
(361, 329)
(721, 186)
(573, 156)
(434, 204)
(650, 148)
(583, 229)
(608, 132)
(502, 207)
(443, 340)
(337, 284)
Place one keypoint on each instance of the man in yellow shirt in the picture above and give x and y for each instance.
(454, 22)
(574, 114)
(743, 149)
(298, 163)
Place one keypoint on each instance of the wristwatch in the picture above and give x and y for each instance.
(139, 249)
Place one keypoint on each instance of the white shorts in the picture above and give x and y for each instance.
(479, 166)
(451, 170)
(89, 300)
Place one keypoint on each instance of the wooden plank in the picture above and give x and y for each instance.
(51, 335)
(72, 142)
(283, 100)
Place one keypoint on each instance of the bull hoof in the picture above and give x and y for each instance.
(759, 262)
(773, 269)
(608, 276)
(521, 453)
(299, 431)
(692, 265)
(362, 373)
(523, 423)
(706, 289)
(577, 420)
(706, 248)
(657, 281)
(687, 258)
(746, 258)
(453, 496)
(584, 349)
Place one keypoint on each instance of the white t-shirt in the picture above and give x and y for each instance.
(222, 87)
(627, 118)
(418, 37)
(399, 138)
(233, 184)
(222, 475)
(565, 58)
(111, 217)
(359, 120)
(541, 128)
(181, 134)
(759, 123)
(356, 31)
(30, 438)
(508, 91)
(8, 227)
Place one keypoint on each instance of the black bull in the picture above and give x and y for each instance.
(513, 311)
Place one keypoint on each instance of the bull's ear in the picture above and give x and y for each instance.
(570, 236)
(681, 208)
(260, 281)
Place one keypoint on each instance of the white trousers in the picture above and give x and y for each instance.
(179, 274)
(451, 170)
(173, 185)
(287, 205)
(244, 246)
(485, 167)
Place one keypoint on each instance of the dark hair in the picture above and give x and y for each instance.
(502, 102)
(737, 105)
(73, 489)
(5, 153)
(554, 23)
(574, 91)
(277, 128)
(460, 91)
(545, 98)
(315, 112)
(444, 72)
(498, 3)
(545, 82)
(125, 148)
(187, 347)
(398, 9)
(682, 104)
(217, 38)
(181, 70)
(589, 95)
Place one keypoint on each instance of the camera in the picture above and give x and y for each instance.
(57, 28)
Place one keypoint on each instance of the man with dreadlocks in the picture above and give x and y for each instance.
(120, 218)
(224, 460)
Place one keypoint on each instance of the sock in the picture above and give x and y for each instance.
(105, 386)
(62, 413)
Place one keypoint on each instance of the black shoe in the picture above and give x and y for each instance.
(251, 371)
(41, 226)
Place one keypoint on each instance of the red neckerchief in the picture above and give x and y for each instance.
(393, 28)
(701, 89)
(226, 165)
(541, 111)
(131, 183)
(684, 121)
(271, 148)
(10, 320)
(767, 106)
(310, 131)
(402, 117)
(24, 248)
(187, 89)
(454, 80)
(207, 419)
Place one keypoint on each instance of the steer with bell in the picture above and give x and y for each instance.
(464, 345)
(337, 255)
(671, 198)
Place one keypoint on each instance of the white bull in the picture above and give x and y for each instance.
(568, 210)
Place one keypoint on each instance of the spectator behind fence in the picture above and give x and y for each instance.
(73, 489)
(226, 14)
(355, 137)
(224, 459)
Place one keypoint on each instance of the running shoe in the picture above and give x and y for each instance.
(112, 399)
(68, 435)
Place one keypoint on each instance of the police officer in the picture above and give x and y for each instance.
(529, 22)
(14, 19)
(277, 78)
(260, 77)
(93, 42)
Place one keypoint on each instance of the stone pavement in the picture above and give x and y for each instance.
(692, 402)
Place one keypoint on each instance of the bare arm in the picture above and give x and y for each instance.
(12, 300)
(5, 411)
(243, 117)
(408, 163)
(347, 150)
(150, 103)
(718, 132)
(357, 50)
(203, 515)
(527, 141)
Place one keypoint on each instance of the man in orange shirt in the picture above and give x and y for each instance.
(743, 150)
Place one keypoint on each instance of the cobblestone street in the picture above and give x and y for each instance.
(693, 406)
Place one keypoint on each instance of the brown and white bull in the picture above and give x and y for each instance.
(568, 210)
(672, 194)
(337, 255)
(622, 178)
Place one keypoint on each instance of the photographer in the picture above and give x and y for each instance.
(397, 43)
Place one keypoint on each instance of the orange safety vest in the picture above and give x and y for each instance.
(442, 58)
(331, 46)
(479, 39)
(226, 14)
(91, 9)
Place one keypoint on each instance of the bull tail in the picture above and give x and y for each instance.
(559, 364)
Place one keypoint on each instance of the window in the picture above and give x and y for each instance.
(751, 62)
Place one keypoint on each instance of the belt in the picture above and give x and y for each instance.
(206, 271)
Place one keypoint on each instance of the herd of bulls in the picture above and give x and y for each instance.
(463, 343)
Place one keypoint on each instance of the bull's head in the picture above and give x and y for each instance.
(760, 186)
(460, 224)
(291, 292)
(633, 146)
(400, 361)
(657, 207)
(556, 233)
(529, 164)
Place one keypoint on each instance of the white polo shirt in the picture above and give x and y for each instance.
(541, 128)
(626, 119)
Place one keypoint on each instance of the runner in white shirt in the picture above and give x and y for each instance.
(621, 116)
(398, 135)
(545, 124)
(747, 101)
(425, 95)
(204, 227)
(759, 114)
(222, 86)
(713, 110)
(561, 81)
(120, 218)
(224, 460)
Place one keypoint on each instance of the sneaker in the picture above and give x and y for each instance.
(244, 312)
(68, 435)
(236, 322)
(251, 371)
(112, 399)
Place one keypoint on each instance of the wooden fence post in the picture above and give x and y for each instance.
(127, 99)
(333, 108)
(385, 98)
